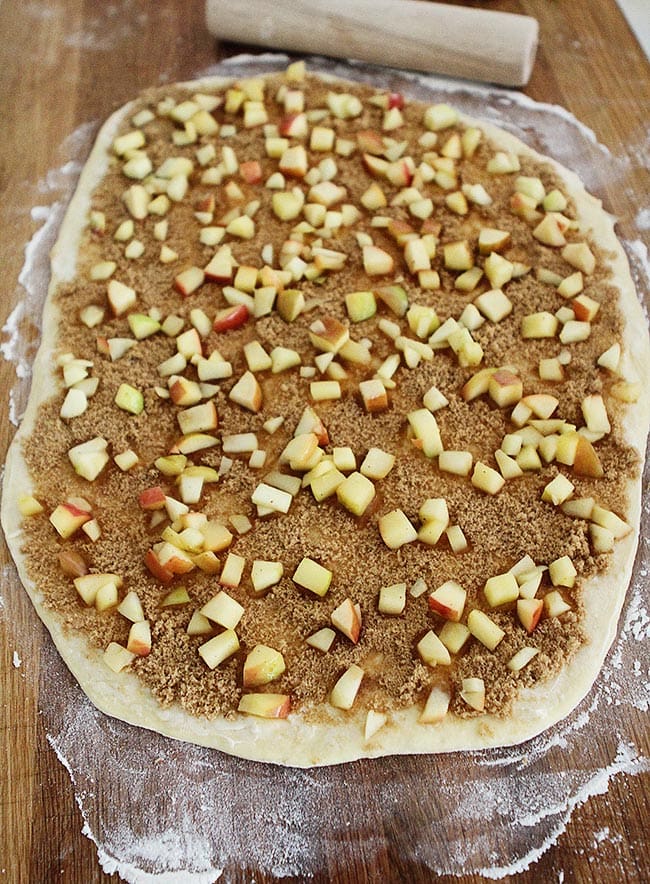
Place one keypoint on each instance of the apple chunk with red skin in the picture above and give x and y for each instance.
(448, 600)
(152, 498)
(529, 612)
(68, 518)
(265, 705)
(347, 619)
(231, 318)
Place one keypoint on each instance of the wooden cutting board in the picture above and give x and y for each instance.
(572, 806)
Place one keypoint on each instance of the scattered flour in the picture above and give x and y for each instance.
(214, 812)
(17, 662)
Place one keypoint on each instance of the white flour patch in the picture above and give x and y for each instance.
(214, 812)
(16, 661)
(643, 219)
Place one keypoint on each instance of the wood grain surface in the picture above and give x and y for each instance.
(66, 64)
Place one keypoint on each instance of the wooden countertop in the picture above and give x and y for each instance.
(64, 66)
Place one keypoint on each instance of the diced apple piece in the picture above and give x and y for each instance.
(491, 239)
(287, 205)
(396, 529)
(440, 116)
(274, 499)
(562, 572)
(558, 490)
(473, 693)
(501, 589)
(129, 399)
(189, 280)
(426, 431)
(374, 395)
(247, 392)
(448, 600)
(435, 707)
(360, 305)
(454, 636)
(177, 596)
(217, 649)
(610, 358)
(156, 567)
(529, 611)
(356, 493)
(265, 574)
(494, 304)
(458, 255)
(312, 576)
(121, 297)
(554, 604)
(224, 610)
(505, 388)
(392, 599)
(626, 391)
(602, 540)
(347, 687)
(432, 650)
(230, 318)
(131, 607)
(456, 538)
(328, 334)
(88, 585)
(374, 722)
(377, 464)
(68, 518)
(394, 297)
(595, 414)
(586, 462)
(580, 256)
(117, 657)
(28, 505)
(262, 665)
(484, 629)
(89, 458)
(322, 639)
(139, 641)
(539, 325)
(376, 261)
(486, 479)
(347, 619)
(522, 658)
(609, 520)
(549, 232)
(265, 705)
(232, 570)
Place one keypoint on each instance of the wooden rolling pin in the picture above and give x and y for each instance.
(476, 44)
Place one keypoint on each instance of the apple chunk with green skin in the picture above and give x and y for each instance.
(432, 650)
(262, 665)
(265, 705)
(139, 641)
(129, 399)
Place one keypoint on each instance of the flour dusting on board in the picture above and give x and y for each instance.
(214, 812)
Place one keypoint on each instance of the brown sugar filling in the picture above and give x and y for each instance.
(500, 529)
